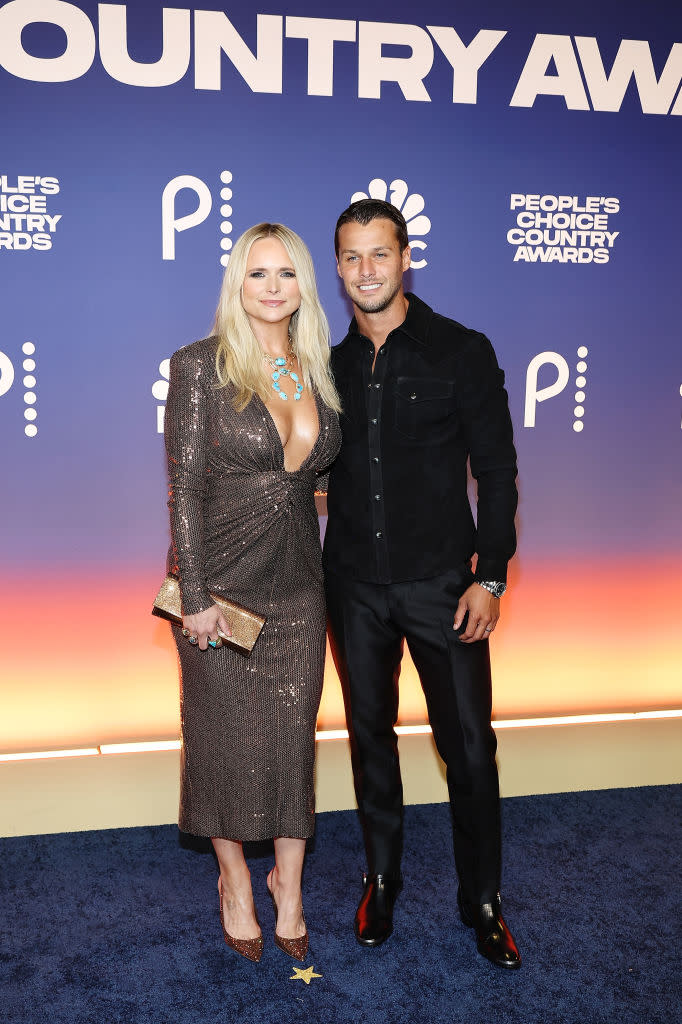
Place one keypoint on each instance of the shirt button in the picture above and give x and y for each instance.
(377, 386)
(379, 535)
(377, 497)
(413, 397)
(375, 458)
(374, 422)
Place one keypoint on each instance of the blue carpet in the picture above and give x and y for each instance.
(122, 925)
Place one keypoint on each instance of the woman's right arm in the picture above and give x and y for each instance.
(186, 424)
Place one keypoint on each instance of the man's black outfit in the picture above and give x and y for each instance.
(397, 554)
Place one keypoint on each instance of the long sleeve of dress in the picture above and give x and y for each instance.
(186, 448)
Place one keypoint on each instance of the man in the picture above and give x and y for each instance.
(421, 395)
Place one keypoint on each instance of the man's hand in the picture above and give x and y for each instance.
(205, 625)
(484, 611)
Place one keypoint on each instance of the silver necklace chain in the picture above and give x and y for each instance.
(281, 367)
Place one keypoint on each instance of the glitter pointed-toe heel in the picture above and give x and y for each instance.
(297, 948)
(252, 949)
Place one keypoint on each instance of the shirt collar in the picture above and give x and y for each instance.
(417, 322)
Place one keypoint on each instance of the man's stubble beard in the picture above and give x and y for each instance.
(383, 303)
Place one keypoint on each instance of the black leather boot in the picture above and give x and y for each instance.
(374, 916)
(493, 938)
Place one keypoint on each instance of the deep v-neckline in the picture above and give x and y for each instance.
(278, 436)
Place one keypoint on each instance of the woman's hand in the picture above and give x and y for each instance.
(204, 626)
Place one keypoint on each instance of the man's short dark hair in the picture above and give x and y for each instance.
(366, 210)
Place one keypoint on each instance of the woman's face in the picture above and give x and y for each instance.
(270, 292)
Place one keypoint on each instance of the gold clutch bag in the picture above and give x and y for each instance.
(245, 625)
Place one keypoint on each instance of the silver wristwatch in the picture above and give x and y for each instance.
(496, 589)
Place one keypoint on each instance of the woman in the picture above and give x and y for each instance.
(250, 422)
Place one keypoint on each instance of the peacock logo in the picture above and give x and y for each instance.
(160, 393)
(9, 369)
(410, 205)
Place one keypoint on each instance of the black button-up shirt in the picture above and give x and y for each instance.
(397, 500)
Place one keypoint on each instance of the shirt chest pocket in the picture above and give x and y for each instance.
(424, 407)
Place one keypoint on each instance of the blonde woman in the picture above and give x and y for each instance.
(250, 422)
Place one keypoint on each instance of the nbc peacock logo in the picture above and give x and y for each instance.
(160, 393)
(410, 205)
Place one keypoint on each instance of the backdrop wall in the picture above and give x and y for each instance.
(536, 155)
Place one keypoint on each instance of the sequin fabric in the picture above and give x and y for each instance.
(244, 527)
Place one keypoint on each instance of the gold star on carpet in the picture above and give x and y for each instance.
(304, 974)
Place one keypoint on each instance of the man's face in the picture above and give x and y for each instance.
(370, 264)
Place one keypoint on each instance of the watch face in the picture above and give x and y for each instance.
(496, 589)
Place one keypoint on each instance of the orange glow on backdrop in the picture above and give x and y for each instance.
(99, 668)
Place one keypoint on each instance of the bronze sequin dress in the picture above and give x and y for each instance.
(244, 527)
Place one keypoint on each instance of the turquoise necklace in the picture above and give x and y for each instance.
(281, 367)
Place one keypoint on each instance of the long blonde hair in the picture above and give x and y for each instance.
(239, 359)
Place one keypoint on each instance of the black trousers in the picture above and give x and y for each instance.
(368, 624)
